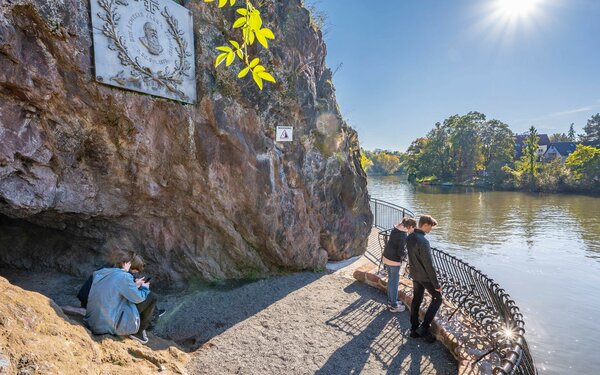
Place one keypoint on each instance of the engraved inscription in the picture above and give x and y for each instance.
(145, 45)
(151, 6)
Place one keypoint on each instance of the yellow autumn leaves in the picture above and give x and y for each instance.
(221, 2)
(251, 25)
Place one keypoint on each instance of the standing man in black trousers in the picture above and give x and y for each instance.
(424, 277)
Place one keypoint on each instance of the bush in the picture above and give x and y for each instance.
(555, 177)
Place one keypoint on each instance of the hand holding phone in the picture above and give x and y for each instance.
(139, 282)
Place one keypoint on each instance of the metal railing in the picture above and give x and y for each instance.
(476, 295)
(386, 215)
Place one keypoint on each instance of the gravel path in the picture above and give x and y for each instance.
(304, 323)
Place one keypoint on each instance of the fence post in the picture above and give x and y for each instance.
(375, 220)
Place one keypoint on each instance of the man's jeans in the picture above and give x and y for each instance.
(392, 284)
(146, 308)
(436, 301)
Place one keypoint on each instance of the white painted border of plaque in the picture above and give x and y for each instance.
(145, 46)
(284, 134)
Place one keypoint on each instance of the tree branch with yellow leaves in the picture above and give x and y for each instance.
(251, 26)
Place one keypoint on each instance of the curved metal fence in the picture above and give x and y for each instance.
(476, 295)
(386, 215)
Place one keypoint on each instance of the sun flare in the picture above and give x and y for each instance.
(505, 21)
(517, 8)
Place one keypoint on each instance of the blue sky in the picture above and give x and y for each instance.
(410, 63)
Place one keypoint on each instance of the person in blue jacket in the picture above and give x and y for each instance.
(118, 304)
(137, 266)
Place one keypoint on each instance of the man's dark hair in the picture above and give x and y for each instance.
(409, 222)
(427, 219)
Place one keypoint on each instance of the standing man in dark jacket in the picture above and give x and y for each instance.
(394, 254)
(424, 277)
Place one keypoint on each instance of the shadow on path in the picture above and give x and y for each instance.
(381, 336)
(195, 317)
(192, 317)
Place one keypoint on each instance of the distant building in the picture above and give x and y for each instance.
(559, 150)
(543, 142)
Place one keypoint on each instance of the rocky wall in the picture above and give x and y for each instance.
(201, 191)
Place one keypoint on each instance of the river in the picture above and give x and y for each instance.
(543, 249)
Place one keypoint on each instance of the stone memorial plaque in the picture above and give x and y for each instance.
(145, 46)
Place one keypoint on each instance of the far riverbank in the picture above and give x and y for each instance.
(482, 184)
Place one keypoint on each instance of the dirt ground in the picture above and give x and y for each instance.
(325, 324)
(303, 323)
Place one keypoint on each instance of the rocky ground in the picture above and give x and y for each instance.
(304, 323)
(37, 338)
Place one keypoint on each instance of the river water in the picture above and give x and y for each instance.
(544, 250)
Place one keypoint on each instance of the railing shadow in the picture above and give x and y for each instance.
(382, 337)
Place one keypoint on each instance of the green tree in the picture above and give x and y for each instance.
(559, 137)
(437, 152)
(554, 176)
(585, 164)
(497, 148)
(388, 162)
(591, 130)
(464, 143)
(530, 154)
(571, 134)
(415, 164)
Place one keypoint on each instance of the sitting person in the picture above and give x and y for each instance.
(137, 266)
(118, 304)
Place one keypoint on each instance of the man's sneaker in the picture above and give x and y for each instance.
(414, 334)
(426, 335)
(160, 312)
(398, 308)
(140, 336)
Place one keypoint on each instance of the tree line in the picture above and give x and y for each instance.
(471, 149)
(382, 162)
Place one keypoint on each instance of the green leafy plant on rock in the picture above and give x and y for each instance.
(251, 26)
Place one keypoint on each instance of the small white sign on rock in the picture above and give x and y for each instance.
(284, 134)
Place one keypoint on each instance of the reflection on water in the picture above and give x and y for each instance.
(543, 249)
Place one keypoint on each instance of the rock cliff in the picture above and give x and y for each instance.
(201, 191)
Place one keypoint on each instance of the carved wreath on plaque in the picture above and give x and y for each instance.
(167, 78)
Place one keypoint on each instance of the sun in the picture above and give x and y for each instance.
(517, 8)
(504, 22)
